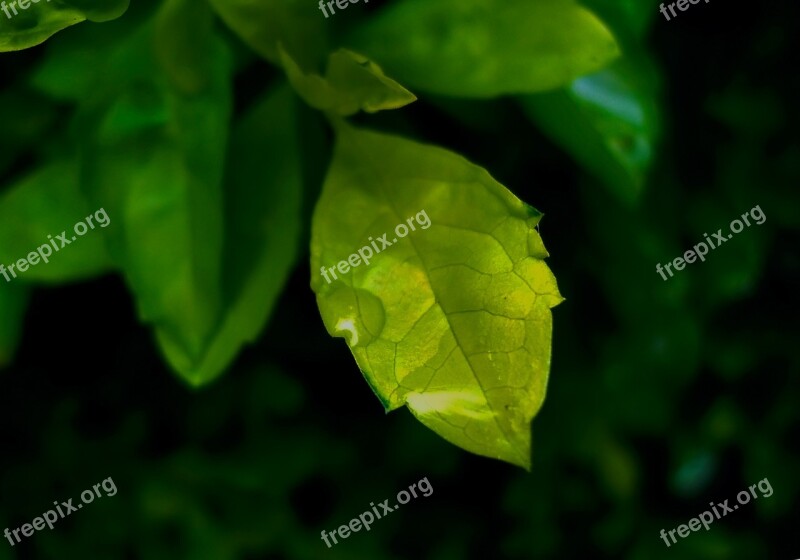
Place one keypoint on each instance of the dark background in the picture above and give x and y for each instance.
(663, 396)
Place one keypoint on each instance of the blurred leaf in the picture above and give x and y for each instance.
(46, 203)
(13, 303)
(24, 28)
(100, 10)
(67, 73)
(157, 159)
(187, 57)
(756, 113)
(73, 62)
(351, 83)
(478, 48)
(730, 270)
(607, 121)
(265, 24)
(262, 234)
(26, 116)
(454, 322)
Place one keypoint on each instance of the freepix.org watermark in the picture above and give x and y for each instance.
(66, 508)
(44, 252)
(365, 253)
(700, 250)
(23, 5)
(366, 519)
(720, 510)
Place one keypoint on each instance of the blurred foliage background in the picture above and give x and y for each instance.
(663, 396)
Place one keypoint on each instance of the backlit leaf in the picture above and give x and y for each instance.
(351, 83)
(452, 320)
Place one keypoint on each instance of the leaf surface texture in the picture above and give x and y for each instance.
(452, 320)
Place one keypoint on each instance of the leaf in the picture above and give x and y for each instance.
(264, 24)
(352, 83)
(262, 236)
(25, 28)
(479, 48)
(40, 207)
(454, 321)
(100, 11)
(155, 160)
(607, 121)
(25, 117)
(13, 303)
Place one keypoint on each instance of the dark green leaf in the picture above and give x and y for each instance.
(156, 162)
(263, 194)
(607, 121)
(265, 24)
(45, 203)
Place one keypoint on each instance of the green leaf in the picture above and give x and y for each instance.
(24, 28)
(40, 207)
(265, 24)
(71, 66)
(26, 117)
(607, 121)
(351, 83)
(100, 10)
(262, 236)
(13, 303)
(156, 162)
(453, 321)
(479, 48)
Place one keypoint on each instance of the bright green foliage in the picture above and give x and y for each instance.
(607, 121)
(454, 320)
(47, 202)
(684, 389)
(156, 161)
(39, 21)
(482, 48)
(351, 83)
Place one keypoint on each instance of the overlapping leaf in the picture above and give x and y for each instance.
(262, 199)
(484, 48)
(42, 204)
(156, 163)
(23, 28)
(607, 121)
(351, 83)
(266, 24)
(453, 320)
